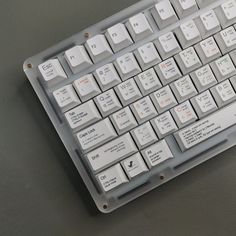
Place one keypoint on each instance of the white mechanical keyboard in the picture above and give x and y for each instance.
(144, 95)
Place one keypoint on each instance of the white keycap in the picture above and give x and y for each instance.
(208, 50)
(143, 110)
(96, 135)
(147, 56)
(188, 34)
(233, 56)
(206, 128)
(107, 77)
(107, 102)
(168, 71)
(233, 82)
(127, 66)
(184, 114)
(183, 89)
(83, 116)
(123, 120)
(227, 13)
(66, 98)
(164, 125)
(111, 152)
(144, 135)
(226, 40)
(128, 92)
(157, 153)
(163, 99)
(204, 3)
(208, 24)
(223, 68)
(112, 178)
(223, 93)
(78, 59)
(118, 37)
(148, 81)
(98, 48)
(167, 45)
(86, 87)
(164, 14)
(52, 71)
(184, 7)
(203, 78)
(139, 27)
(188, 60)
(204, 104)
(134, 165)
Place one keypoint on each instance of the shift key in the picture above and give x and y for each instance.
(111, 152)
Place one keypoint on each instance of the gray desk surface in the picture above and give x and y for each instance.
(40, 191)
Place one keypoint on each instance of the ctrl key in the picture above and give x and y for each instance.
(112, 178)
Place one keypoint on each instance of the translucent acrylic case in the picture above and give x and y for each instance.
(107, 202)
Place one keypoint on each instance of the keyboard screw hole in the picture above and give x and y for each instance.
(162, 177)
(30, 66)
(86, 35)
(105, 206)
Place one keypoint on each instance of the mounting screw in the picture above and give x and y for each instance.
(86, 35)
(162, 177)
(29, 66)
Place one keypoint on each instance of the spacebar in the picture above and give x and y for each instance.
(207, 127)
